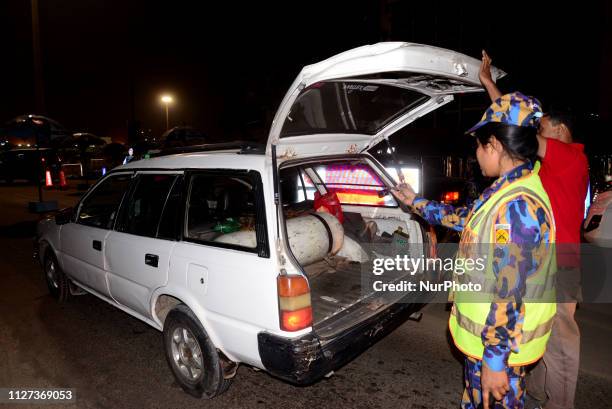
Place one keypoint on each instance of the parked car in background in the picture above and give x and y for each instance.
(29, 130)
(29, 164)
(221, 248)
(82, 153)
(182, 136)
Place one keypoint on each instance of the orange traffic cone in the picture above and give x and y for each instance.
(48, 180)
(62, 180)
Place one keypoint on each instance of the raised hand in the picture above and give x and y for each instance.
(486, 79)
(404, 193)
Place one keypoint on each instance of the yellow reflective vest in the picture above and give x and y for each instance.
(469, 314)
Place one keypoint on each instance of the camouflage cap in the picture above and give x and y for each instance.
(511, 109)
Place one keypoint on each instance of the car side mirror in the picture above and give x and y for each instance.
(64, 216)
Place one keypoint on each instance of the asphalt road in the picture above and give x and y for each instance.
(114, 361)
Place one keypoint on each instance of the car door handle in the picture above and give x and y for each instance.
(97, 245)
(151, 259)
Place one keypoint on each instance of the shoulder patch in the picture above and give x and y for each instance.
(502, 233)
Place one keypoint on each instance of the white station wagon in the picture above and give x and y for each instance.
(221, 248)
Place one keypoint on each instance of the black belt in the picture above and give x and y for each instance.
(327, 229)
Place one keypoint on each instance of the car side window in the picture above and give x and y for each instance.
(141, 215)
(170, 224)
(99, 208)
(221, 210)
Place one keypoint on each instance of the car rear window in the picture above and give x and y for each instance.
(348, 107)
(354, 182)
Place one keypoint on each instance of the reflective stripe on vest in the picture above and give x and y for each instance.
(468, 319)
(527, 335)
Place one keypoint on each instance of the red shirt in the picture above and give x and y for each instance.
(565, 177)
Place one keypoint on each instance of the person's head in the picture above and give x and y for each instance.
(498, 144)
(506, 134)
(557, 124)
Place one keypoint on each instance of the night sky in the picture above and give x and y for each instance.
(228, 66)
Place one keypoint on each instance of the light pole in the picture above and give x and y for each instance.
(166, 100)
(41, 206)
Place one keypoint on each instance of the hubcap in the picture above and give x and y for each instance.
(186, 353)
(52, 274)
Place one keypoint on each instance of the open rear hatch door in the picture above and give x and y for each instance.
(346, 105)
(351, 101)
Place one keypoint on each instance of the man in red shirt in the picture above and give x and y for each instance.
(564, 174)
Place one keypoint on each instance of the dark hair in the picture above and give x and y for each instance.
(519, 142)
(560, 114)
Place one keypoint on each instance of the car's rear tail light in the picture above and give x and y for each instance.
(294, 303)
(296, 320)
(449, 197)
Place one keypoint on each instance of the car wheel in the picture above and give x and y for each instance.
(58, 283)
(192, 357)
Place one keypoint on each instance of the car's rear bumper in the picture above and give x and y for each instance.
(306, 359)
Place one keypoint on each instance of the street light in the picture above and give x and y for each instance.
(166, 100)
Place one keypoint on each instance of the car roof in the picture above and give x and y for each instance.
(228, 159)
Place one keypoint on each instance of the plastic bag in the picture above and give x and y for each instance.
(329, 203)
(229, 225)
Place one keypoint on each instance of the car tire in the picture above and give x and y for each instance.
(191, 355)
(57, 282)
